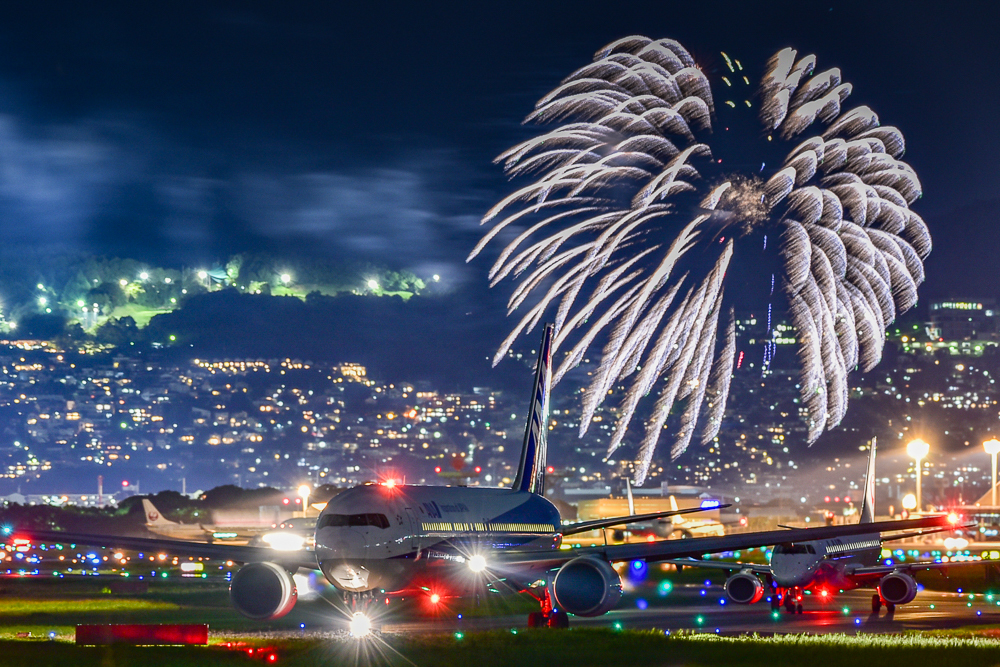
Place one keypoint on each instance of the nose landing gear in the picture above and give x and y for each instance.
(362, 601)
(792, 598)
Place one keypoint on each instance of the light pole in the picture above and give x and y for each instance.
(917, 450)
(304, 495)
(992, 447)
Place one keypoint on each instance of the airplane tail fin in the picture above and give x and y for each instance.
(531, 471)
(153, 516)
(677, 518)
(868, 507)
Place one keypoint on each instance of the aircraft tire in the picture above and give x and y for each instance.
(798, 608)
(559, 620)
(536, 619)
(890, 608)
(876, 603)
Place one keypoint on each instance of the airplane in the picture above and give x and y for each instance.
(156, 523)
(827, 565)
(385, 539)
(682, 527)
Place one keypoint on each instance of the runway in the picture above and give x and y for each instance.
(686, 609)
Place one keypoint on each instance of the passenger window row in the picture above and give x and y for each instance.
(377, 520)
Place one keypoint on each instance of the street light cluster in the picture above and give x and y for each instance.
(992, 447)
(918, 450)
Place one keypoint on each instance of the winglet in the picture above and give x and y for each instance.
(531, 471)
(868, 507)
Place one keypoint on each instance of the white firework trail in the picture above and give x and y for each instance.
(623, 166)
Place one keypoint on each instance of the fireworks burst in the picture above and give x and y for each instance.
(624, 167)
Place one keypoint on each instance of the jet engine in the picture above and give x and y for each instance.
(263, 591)
(898, 588)
(744, 588)
(587, 587)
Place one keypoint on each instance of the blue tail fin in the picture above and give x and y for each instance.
(531, 471)
(868, 506)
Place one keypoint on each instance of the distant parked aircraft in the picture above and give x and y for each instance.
(156, 523)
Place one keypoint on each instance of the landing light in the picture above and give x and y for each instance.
(282, 541)
(435, 598)
(360, 625)
(477, 563)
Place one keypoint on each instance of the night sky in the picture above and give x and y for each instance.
(191, 131)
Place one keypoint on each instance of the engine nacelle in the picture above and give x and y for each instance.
(587, 587)
(263, 591)
(744, 588)
(898, 588)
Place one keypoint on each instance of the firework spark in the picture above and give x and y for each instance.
(624, 166)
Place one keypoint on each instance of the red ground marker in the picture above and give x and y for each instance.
(143, 634)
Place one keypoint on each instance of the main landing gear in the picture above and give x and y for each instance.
(548, 617)
(877, 603)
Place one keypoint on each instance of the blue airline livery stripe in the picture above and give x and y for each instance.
(530, 476)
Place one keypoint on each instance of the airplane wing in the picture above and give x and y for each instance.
(756, 568)
(240, 554)
(698, 546)
(584, 526)
(877, 570)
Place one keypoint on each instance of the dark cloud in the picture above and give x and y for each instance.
(185, 133)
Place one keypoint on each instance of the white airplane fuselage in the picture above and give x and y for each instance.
(380, 537)
(825, 562)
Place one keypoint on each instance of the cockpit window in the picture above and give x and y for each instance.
(377, 520)
(797, 549)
